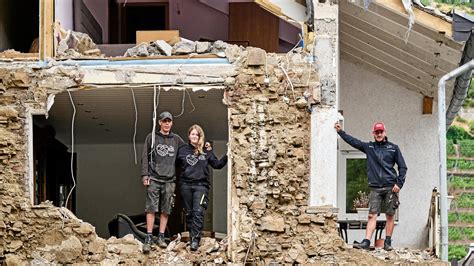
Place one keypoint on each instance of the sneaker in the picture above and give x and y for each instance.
(365, 244)
(161, 241)
(147, 244)
(387, 245)
(194, 244)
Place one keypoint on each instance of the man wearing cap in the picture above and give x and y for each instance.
(158, 176)
(384, 182)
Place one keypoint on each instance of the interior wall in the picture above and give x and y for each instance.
(108, 182)
(5, 25)
(213, 24)
(366, 98)
(219, 189)
(18, 31)
(64, 13)
(100, 11)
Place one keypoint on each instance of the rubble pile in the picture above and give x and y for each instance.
(183, 47)
(73, 44)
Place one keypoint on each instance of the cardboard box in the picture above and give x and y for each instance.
(168, 36)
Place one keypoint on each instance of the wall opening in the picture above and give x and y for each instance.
(108, 180)
(19, 25)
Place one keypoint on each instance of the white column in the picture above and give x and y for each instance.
(323, 180)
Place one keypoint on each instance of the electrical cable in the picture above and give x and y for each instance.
(72, 148)
(191, 101)
(182, 104)
(135, 131)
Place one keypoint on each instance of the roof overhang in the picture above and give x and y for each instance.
(377, 37)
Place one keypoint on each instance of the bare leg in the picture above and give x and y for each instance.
(371, 223)
(150, 220)
(390, 225)
(163, 222)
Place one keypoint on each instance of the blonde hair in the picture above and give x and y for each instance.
(200, 145)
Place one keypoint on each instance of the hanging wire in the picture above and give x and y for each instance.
(72, 148)
(182, 104)
(135, 130)
(191, 101)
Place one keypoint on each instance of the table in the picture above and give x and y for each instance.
(345, 225)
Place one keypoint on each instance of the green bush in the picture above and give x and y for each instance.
(461, 182)
(466, 200)
(471, 127)
(450, 148)
(460, 119)
(467, 147)
(469, 233)
(462, 164)
(456, 134)
(452, 217)
(455, 233)
(457, 251)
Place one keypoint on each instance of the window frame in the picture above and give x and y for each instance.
(343, 156)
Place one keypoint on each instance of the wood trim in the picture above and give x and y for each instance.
(46, 32)
(427, 105)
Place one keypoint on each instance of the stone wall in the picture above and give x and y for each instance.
(270, 140)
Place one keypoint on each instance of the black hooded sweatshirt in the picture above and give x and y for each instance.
(195, 166)
(159, 163)
(381, 158)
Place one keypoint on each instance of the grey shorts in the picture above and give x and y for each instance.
(160, 197)
(383, 200)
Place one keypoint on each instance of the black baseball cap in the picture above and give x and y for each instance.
(166, 115)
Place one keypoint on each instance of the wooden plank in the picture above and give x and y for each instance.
(153, 35)
(427, 105)
(446, 54)
(417, 85)
(396, 41)
(46, 34)
(356, 60)
(250, 22)
(437, 34)
(391, 60)
(421, 16)
(390, 49)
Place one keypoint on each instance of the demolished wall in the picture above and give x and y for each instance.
(270, 219)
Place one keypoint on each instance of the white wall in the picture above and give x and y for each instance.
(108, 182)
(366, 98)
(64, 14)
(219, 190)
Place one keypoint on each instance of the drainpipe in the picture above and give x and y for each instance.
(442, 152)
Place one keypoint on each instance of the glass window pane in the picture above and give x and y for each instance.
(356, 180)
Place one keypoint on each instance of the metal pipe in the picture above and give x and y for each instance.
(442, 153)
(461, 86)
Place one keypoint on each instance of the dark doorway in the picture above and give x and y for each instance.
(19, 24)
(126, 20)
(52, 167)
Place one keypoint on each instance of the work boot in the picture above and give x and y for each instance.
(365, 244)
(195, 243)
(161, 241)
(147, 244)
(387, 245)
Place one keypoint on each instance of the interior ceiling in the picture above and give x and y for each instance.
(376, 38)
(105, 116)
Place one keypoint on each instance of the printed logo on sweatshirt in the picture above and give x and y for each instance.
(191, 159)
(164, 150)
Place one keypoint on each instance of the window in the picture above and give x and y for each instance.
(352, 179)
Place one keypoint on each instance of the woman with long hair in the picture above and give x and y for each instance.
(194, 181)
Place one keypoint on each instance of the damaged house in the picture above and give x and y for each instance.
(265, 79)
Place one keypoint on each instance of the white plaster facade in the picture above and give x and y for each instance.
(366, 98)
